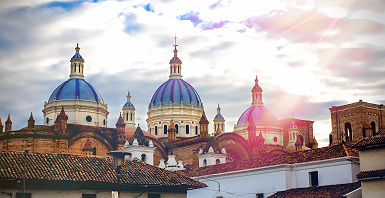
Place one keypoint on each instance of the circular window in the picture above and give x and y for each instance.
(275, 139)
(47, 120)
(89, 118)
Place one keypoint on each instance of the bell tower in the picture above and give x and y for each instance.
(129, 112)
(175, 64)
(256, 94)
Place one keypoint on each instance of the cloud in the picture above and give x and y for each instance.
(210, 26)
(191, 16)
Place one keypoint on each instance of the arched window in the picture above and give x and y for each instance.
(126, 116)
(75, 67)
(165, 129)
(217, 161)
(94, 151)
(330, 139)
(373, 125)
(156, 130)
(187, 129)
(104, 122)
(174, 69)
(196, 130)
(177, 128)
(204, 162)
(348, 132)
(178, 69)
(131, 116)
(143, 157)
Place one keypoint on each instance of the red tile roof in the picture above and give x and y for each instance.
(371, 142)
(324, 153)
(334, 191)
(78, 169)
(373, 174)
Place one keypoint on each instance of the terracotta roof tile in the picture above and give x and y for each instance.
(371, 174)
(374, 141)
(79, 168)
(324, 153)
(335, 191)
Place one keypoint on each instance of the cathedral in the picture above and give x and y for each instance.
(178, 136)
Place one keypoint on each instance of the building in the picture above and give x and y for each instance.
(372, 165)
(319, 170)
(351, 122)
(66, 175)
(76, 117)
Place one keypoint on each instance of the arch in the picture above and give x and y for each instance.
(217, 161)
(143, 157)
(87, 134)
(373, 125)
(156, 130)
(348, 131)
(177, 128)
(204, 162)
(196, 130)
(187, 129)
(236, 146)
(331, 139)
(165, 129)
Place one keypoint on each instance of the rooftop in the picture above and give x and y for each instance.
(324, 153)
(335, 191)
(78, 169)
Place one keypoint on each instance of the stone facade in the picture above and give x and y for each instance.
(351, 122)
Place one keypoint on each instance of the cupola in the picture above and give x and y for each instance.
(175, 64)
(77, 64)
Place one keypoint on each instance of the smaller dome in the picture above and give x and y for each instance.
(128, 104)
(218, 116)
(259, 114)
(77, 55)
(175, 59)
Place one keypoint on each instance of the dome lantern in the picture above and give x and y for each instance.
(77, 64)
(256, 94)
(175, 64)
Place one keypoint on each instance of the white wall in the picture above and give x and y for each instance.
(268, 180)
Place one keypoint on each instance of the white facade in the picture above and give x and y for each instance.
(270, 179)
(211, 157)
(142, 152)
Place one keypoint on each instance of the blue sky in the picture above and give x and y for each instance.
(308, 55)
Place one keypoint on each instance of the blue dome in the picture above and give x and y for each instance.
(77, 55)
(75, 88)
(128, 104)
(218, 116)
(176, 91)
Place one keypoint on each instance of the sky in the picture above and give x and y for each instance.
(309, 55)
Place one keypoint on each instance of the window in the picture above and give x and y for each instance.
(177, 128)
(165, 129)
(150, 195)
(131, 116)
(156, 130)
(259, 195)
(47, 120)
(104, 122)
(313, 178)
(26, 195)
(373, 125)
(204, 162)
(222, 127)
(217, 161)
(196, 130)
(143, 157)
(89, 118)
(126, 116)
(187, 129)
(85, 195)
(348, 132)
(94, 151)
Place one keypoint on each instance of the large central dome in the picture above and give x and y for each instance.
(175, 100)
(176, 91)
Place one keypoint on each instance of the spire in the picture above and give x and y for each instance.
(218, 110)
(128, 96)
(8, 124)
(31, 121)
(77, 64)
(256, 93)
(120, 121)
(203, 128)
(1, 127)
(175, 63)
